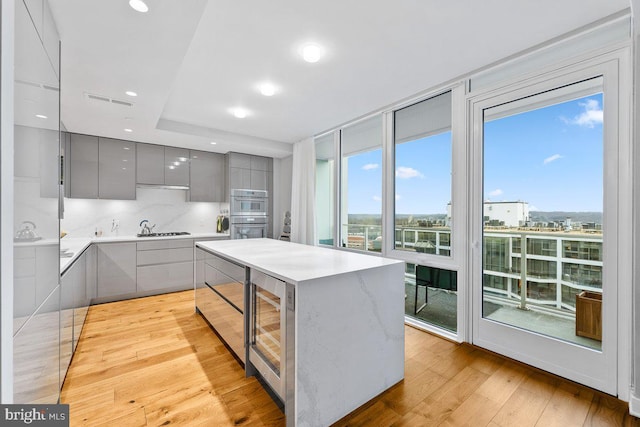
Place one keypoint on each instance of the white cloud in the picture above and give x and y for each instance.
(404, 172)
(551, 158)
(377, 198)
(591, 116)
(495, 192)
(370, 166)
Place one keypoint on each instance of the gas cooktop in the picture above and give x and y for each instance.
(167, 234)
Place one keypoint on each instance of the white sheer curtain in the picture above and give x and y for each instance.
(303, 193)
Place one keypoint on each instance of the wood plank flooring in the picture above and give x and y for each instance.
(153, 361)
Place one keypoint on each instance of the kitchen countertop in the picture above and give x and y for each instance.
(77, 245)
(293, 262)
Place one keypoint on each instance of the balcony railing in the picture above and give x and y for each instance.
(413, 238)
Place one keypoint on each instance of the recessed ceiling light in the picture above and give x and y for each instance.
(126, 148)
(124, 160)
(195, 157)
(41, 116)
(128, 130)
(172, 167)
(267, 89)
(240, 113)
(182, 159)
(176, 163)
(312, 53)
(138, 5)
(213, 143)
(131, 93)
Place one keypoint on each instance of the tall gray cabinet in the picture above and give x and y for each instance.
(207, 177)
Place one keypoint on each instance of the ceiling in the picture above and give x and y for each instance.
(191, 61)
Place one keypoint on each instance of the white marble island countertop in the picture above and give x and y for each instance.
(293, 262)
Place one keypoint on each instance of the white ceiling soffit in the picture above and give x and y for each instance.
(191, 61)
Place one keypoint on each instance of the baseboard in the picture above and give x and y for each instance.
(634, 405)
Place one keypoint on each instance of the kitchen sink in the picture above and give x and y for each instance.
(167, 234)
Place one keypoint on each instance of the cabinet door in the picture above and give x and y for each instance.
(239, 179)
(259, 163)
(117, 169)
(116, 269)
(92, 274)
(149, 164)
(238, 160)
(72, 309)
(259, 180)
(207, 177)
(83, 166)
(176, 166)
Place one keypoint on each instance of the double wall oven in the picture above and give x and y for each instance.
(249, 214)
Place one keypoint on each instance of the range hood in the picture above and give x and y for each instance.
(163, 186)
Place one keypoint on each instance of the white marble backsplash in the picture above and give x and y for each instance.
(168, 209)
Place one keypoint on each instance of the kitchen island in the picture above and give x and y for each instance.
(344, 323)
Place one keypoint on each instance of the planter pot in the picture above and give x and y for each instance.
(589, 315)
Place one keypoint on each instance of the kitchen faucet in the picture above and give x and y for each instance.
(145, 228)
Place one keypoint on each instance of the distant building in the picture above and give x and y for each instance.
(507, 214)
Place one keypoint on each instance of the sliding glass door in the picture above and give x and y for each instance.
(545, 213)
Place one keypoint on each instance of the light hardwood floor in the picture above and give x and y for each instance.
(153, 361)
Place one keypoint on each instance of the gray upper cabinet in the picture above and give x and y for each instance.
(239, 178)
(259, 163)
(160, 165)
(239, 160)
(149, 164)
(249, 172)
(207, 177)
(176, 166)
(116, 169)
(83, 166)
(259, 180)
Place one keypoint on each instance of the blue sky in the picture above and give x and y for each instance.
(550, 157)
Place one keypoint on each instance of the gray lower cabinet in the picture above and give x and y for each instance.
(73, 281)
(83, 166)
(219, 295)
(116, 169)
(165, 265)
(116, 269)
(207, 181)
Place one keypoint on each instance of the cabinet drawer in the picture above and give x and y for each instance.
(165, 244)
(234, 271)
(164, 256)
(165, 276)
(226, 320)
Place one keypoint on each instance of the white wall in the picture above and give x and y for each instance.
(168, 209)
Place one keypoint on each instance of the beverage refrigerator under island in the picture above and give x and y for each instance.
(324, 328)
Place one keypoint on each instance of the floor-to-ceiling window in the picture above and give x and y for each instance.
(361, 185)
(325, 189)
(423, 161)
